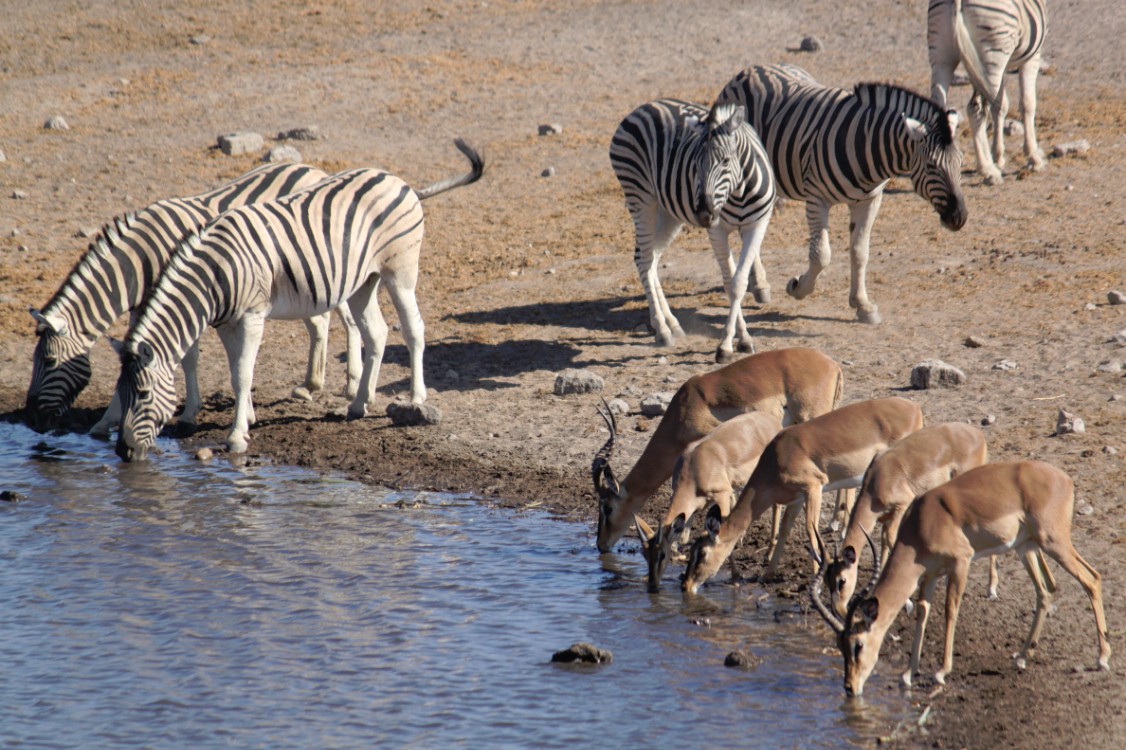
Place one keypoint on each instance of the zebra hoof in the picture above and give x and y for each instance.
(302, 393)
(793, 288)
(871, 316)
(723, 357)
(184, 429)
(237, 445)
(994, 178)
(762, 295)
(354, 413)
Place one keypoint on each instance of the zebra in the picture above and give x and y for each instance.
(679, 163)
(120, 266)
(293, 257)
(989, 37)
(830, 146)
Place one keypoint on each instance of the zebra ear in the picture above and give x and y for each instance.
(145, 353)
(953, 119)
(916, 129)
(44, 323)
(726, 117)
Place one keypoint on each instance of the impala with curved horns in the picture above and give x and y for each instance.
(1023, 506)
(792, 384)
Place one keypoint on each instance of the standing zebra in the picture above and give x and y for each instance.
(830, 146)
(679, 163)
(989, 37)
(114, 274)
(292, 257)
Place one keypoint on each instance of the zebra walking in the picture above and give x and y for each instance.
(679, 163)
(989, 37)
(115, 272)
(830, 146)
(293, 257)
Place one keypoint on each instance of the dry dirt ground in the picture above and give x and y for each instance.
(525, 275)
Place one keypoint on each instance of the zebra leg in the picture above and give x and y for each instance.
(355, 347)
(110, 418)
(1028, 72)
(978, 119)
(760, 287)
(751, 236)
(241, 338)
(863, 216)
(1000, 113)
(655, 231)
(193, 402)
(414, 331)
(373, 333)
(817, 216)
(942, 50)
(317, 326)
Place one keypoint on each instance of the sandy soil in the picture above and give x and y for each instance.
(525, 275)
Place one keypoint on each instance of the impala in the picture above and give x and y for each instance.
(1024, 506)
(791, 384)
(917, 463)
(802, 461)
(712, 471)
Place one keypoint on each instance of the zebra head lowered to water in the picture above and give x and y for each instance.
(679, 163)
(829, 145)
(289, 258)
(115, 272)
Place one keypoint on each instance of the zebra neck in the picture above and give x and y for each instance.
(171, 320)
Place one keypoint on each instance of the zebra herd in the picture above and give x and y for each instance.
(292, 242)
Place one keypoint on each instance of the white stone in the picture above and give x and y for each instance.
(236, 144)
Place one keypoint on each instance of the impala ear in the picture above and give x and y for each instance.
(917, 130)
(44, 323)
(713, 521)
(849, 555)
(644, 530)
(869, 609)
(679, 523)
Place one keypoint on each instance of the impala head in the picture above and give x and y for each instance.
(656, 547)
(60, 370)
(859, 644)
(705, 556)
(936, 167)
(612, 519)
(720, 166)
(148, 398)
(841, 576)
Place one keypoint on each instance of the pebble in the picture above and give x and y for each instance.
(410, 415)
(656, 404)
(1005, 364)
(11, 496)
(1110, 365)
(584, 653)
(282, 153)
(1116, 297)
(86, 233)
(1110, 450)
(987, 420)
(811, 44)
(578, 381)
(973, 342)
(19, 195)
(204, 454)
(1066, 422)
(618, 407)
(553, 128)
(936, 373)
(1072, 148)
(307, 133)
(200, 39)
(741, 660)
(56, 123)
(549, 172)
(2, 157)
(235, 144)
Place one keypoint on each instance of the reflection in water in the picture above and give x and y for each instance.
(173, 603)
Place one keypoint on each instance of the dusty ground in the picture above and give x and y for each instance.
(525, 275)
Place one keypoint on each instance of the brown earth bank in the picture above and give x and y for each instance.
(524, 275)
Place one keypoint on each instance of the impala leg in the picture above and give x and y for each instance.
(846, 498)
(863, 216)
(1062, 552)
(789, 518)
(993, 580)
(817, 217)
(317, 327)
(955, 588)
(775, 529)
(1028, 72)
(1043, 601)
(923, 605)
(241, 340)
(813, 517)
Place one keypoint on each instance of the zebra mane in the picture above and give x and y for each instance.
(918, 106)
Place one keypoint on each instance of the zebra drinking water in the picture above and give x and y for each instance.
(830, 146)
(114, 274)
(293, 257)
(679, 163)
(989, 37)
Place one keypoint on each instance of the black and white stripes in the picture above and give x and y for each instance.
(290, 258)
(829, 146)
(989, 37)
(680, 163)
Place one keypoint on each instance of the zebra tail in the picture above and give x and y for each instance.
(478, 169)
(971, 58)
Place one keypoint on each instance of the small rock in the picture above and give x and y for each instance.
(2, 157)
(1072, 148)
(1120, 337)
(656, 404)
(702, 622)
(235, 144)
(741, 660)
(204, 454)
(1066, 422)
(86, 233)
(584, 653)
(1116, 297)
(578, 381)
(19, 195)
(630, 391)
(1005, 364)
(549, 172)
(56, 123)
(1085, 509)
(11, 496)
(452, 374)
(411, 415)
(618, 407)
(23, 248)
(1014, 127)
(973, 342)
(932, 373)
(1090, 306)
(642, 425)
(551, 129)
(307, 133)
(987, 420)
(1110, 365)
(282, 153)
(1110, 450)
(200, 39)
(811, 44)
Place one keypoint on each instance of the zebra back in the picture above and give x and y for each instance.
(981, 27)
